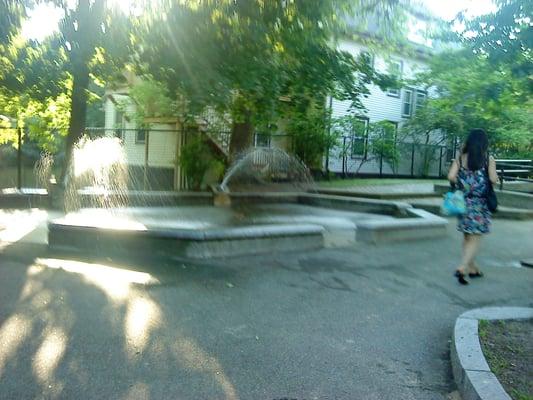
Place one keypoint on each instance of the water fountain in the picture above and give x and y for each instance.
(98, 173)
(43, 171)
(268, 166)
(263, 169)
(268, 208)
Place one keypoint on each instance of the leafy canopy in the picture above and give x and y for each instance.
(487, 83)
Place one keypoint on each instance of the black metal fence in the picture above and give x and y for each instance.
(150, 156)
(18, 157)
(379, 157)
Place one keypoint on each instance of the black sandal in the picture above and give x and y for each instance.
(477, 274)
(460, 277)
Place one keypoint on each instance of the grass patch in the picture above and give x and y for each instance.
(508, 348)
(344, 183)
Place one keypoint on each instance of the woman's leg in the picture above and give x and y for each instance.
(473, 268)
(462, 267)
(470, 249)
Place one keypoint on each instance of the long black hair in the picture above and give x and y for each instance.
(476, 146)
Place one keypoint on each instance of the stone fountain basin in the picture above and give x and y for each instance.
(246, 228)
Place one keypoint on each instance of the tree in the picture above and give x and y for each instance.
(487, 83)
(33, 90)
(11, 14)
(91, 46)
(95, 39)
(471, 92)
(505, 37)
(242, 57)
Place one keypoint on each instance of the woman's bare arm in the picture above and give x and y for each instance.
(493, 175)
(454, 169)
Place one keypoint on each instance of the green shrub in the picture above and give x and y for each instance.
(197, 159)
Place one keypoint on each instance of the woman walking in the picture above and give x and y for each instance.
(470, 171)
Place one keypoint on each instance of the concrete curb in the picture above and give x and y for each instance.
(190, 243)
(471, 372)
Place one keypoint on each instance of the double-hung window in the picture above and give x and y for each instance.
(412, 100)
(119, 124)
(360, 137)
(407, 103)
(420, 99)
(390, 131)
(395, 69)
(140, 136)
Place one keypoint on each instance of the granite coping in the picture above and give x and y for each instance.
(418, 218)
(242, 232)
(472, 374)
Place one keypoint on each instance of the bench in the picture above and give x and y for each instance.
(514, 170)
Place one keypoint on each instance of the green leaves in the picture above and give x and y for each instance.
(11, 13)
(505, 38)
(473, 92)
(37, 80)
(260, 61)
(486, 84)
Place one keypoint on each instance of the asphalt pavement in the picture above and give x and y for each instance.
(362, 322)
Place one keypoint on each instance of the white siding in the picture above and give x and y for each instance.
(109, 109)
(162, 143)
(162, 146)
(379, 106)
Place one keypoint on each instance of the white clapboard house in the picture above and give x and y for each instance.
(158, 148)
(393, 107)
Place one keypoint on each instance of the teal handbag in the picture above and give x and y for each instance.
(454, 203)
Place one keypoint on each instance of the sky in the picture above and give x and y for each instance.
(448, 9)
(44, 19)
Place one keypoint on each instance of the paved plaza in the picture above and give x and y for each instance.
(361, 322)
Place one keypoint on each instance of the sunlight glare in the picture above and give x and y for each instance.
(115, 282)
(132, 7)
(447, 10)
(101, 219)
(187, 351)
(18, 224)
(109, 151)
(12, 333)
(143, 315)
(42, 21)
(30, 288)
(49, 355)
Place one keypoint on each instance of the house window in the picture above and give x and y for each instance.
(420, 99)
(119, 124)
(388, 130)
(261, 140)
(395, 69)
(360, 137)
(412, 101)
(392, 128)
(407, 103)
(140, 136)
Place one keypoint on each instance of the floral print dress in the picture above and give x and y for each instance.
(477, 218)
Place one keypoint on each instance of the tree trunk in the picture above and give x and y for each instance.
(241, 136)
(88, 18)
(78, 114)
